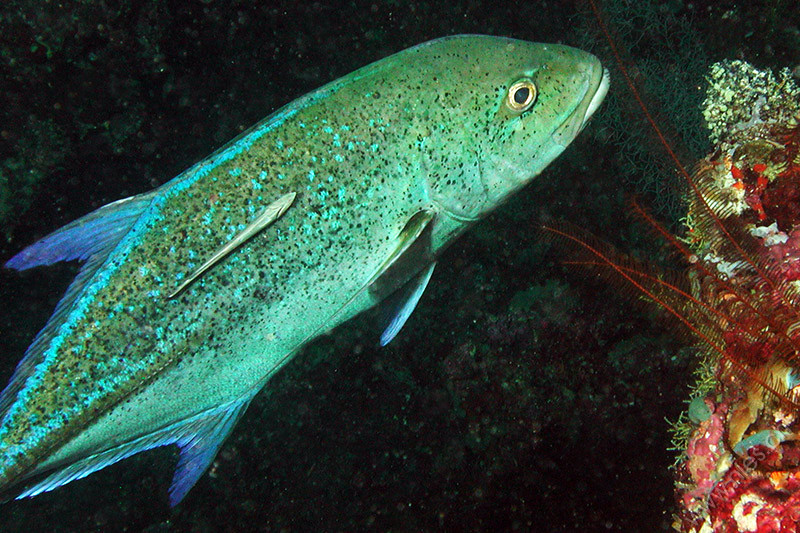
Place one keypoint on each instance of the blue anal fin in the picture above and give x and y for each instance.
(199, 438)
(200, 448)
(412, 292)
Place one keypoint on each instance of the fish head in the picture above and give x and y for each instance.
(513, 107)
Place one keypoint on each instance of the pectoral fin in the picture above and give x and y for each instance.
(412, 251)
(273, 212)
(407, 237)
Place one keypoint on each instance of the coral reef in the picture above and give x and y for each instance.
(740, 470)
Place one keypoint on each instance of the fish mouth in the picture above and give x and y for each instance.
(597, 83)
(598, 96)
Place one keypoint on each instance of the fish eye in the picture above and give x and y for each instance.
(521, 95)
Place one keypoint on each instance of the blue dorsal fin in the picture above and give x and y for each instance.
(411, 293)
(91, 239)
(199, 437)
(94, 234)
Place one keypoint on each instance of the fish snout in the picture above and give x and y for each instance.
(597, 80)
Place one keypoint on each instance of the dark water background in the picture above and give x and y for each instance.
(520, 396)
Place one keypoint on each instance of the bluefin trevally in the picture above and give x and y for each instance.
(193, 295)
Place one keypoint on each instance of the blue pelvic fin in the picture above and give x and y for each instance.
(411, 293)
(91, 239)
(199, 438)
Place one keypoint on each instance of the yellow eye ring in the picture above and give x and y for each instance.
(521, 95)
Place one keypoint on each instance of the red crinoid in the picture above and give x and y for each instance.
(738, 293)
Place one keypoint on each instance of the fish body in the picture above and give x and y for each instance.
(193, 295)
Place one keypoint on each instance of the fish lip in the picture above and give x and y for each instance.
(598, 96)
(598, 81)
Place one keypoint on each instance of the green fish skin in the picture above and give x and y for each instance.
(193, 295)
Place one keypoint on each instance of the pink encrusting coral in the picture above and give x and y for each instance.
(703, 452)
